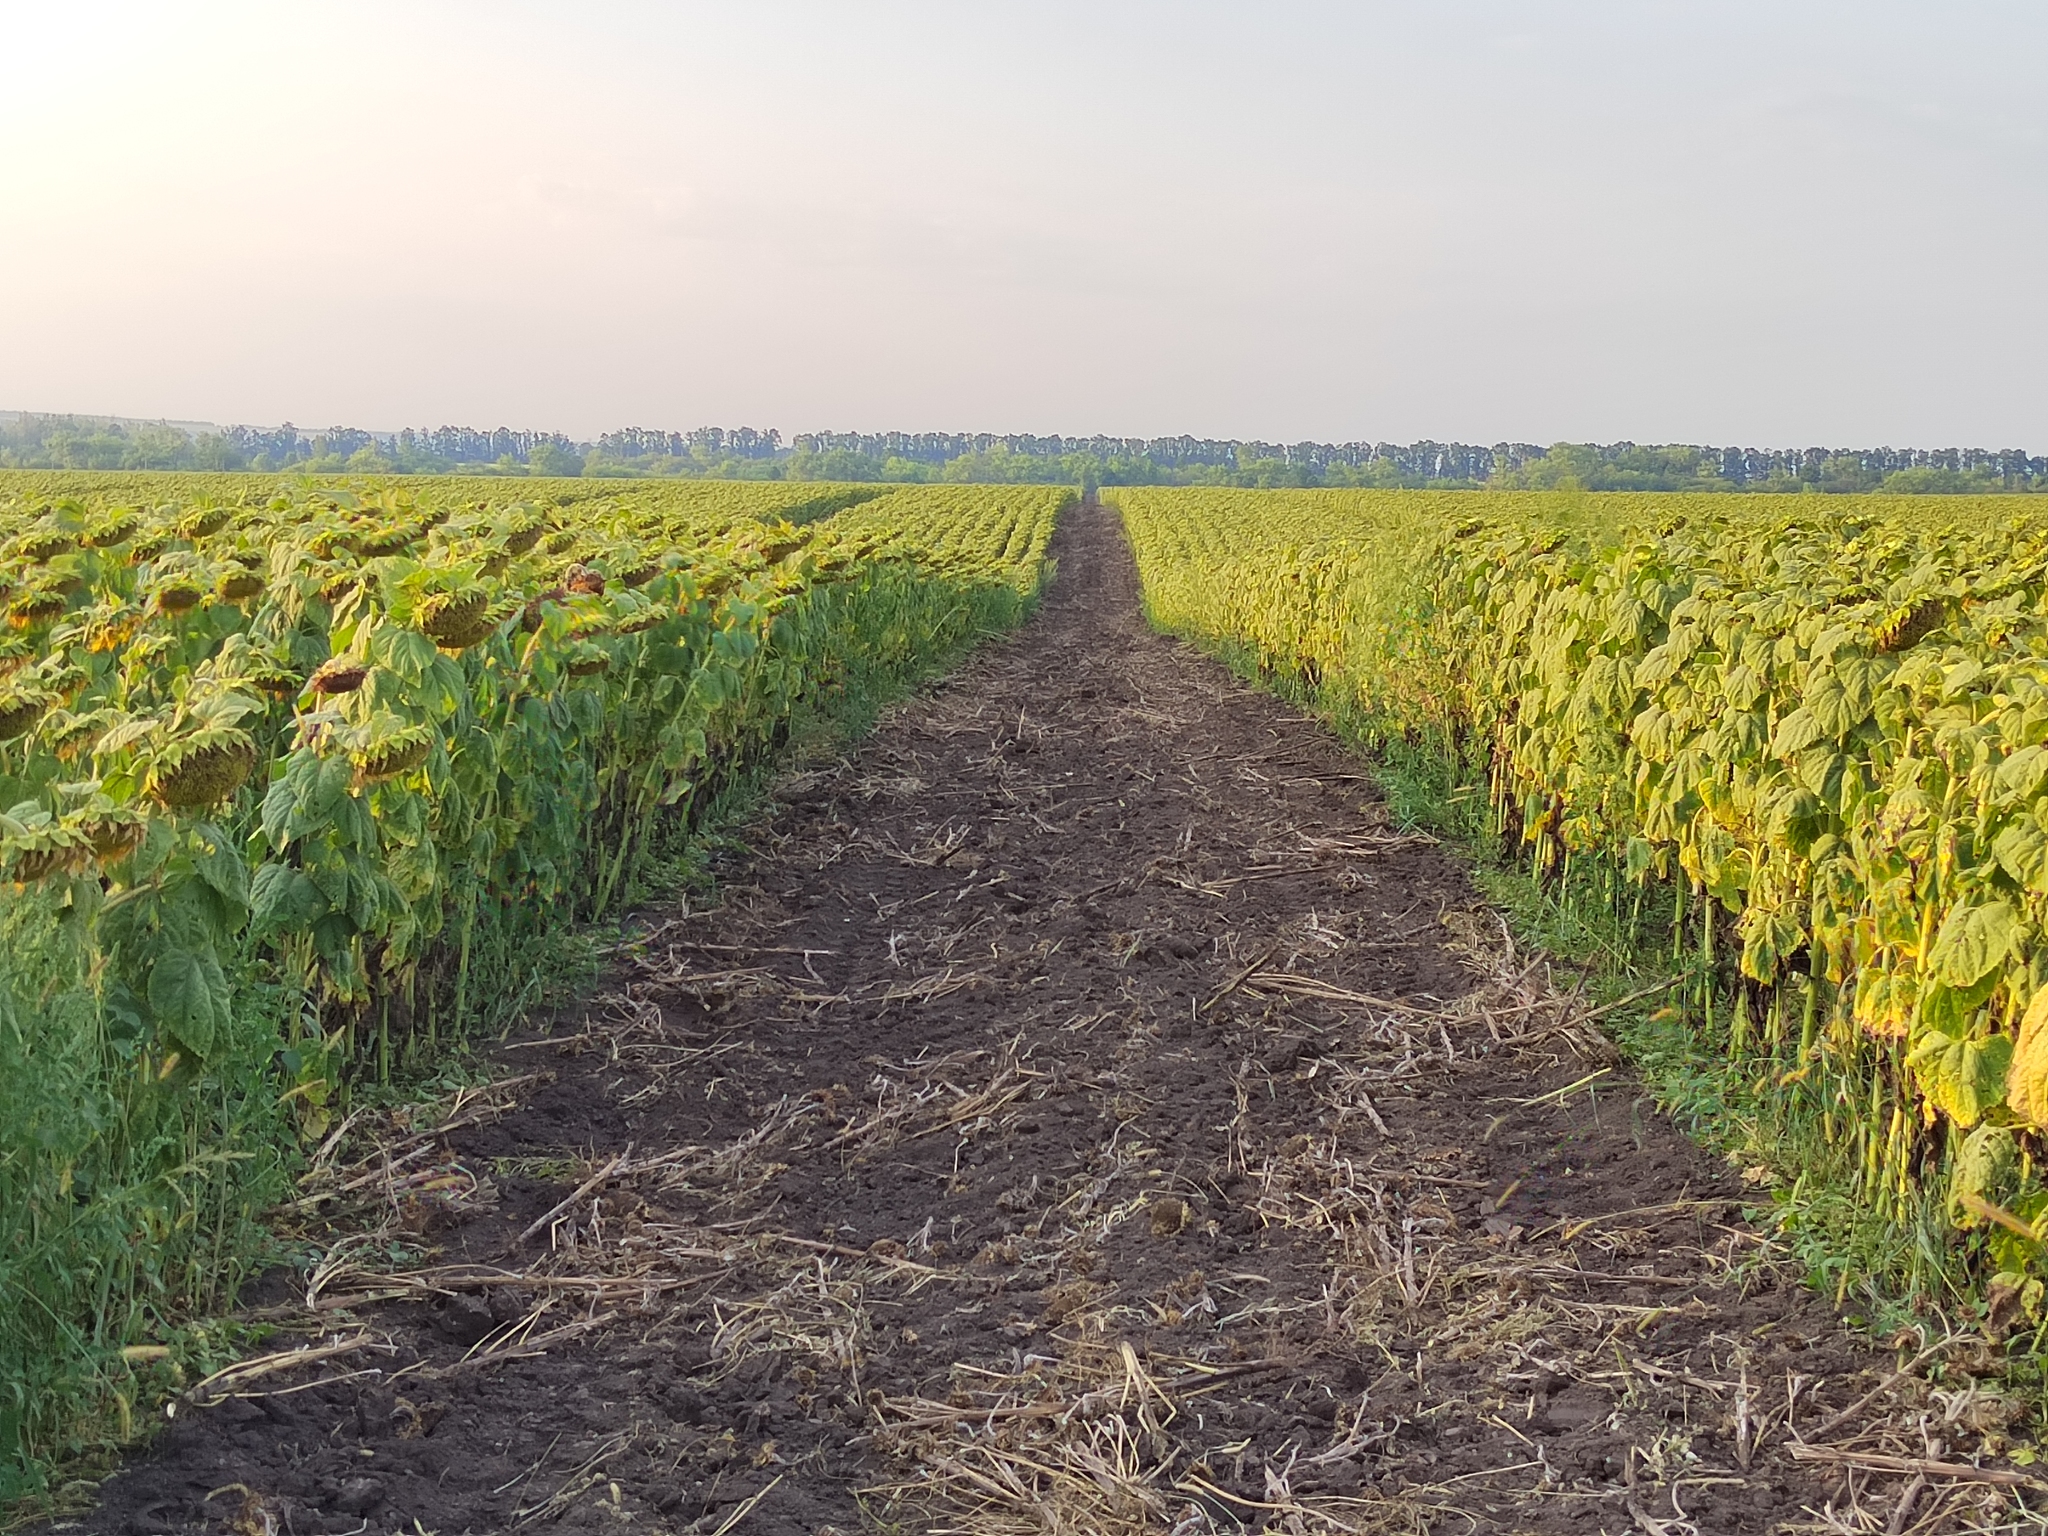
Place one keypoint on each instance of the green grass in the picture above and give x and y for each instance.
(129, 1202)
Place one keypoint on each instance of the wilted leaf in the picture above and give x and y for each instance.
(1975, 939)
(2026, 1082)
(1963, 1076)
(1983, 1171)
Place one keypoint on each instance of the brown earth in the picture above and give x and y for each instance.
(1084, 1113)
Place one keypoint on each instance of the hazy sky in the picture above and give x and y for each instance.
(1779, 223)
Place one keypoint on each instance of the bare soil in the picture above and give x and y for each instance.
(1084, 1113)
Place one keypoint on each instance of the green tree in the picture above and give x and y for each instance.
(211, 451)
(552, 459)
(1844, 472)
(1932, 480)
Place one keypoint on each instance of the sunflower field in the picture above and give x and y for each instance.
(291, 785)
(1802, 749)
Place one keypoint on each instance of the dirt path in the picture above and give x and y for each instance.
(1085, 1115)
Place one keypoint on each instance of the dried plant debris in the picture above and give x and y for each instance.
(1085, 1114)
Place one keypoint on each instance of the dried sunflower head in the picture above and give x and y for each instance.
(240, 586)
(338, 674)
(43, 544)
(112, 832)
(178, 594)
(20, 710)
(118, 529)
(335, 587)
(39, 605)
(586, 660)
(329, 542)
(69, 737)
(523, 537)
(458, 619)
(1906, 627)
(53, 853)
(277, 681)
(34, 845)
(641, 621)
(391, 539)
(392, 751)
(534, 614)
(199, 770)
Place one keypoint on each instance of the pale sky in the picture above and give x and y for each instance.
(1774, 222)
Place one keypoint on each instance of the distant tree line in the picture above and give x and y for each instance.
(100, 443)
(83, 442)
(1588, 466)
